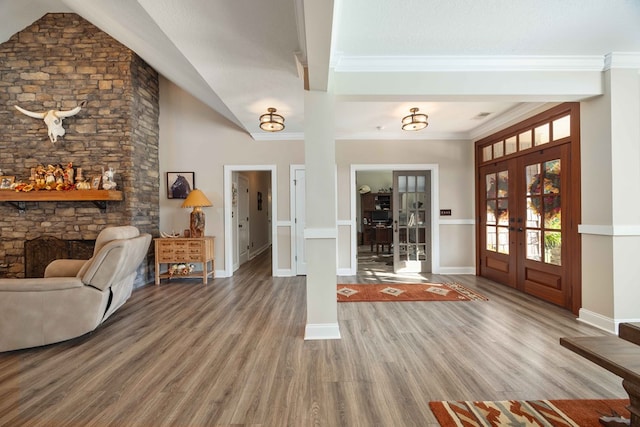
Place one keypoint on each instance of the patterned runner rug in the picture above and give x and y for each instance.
(551, 413)
(407, 292)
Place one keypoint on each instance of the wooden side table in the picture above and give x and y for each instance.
(185, 250)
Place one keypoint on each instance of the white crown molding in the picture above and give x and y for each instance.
(622, 60)
(376, 135)
(347, 64)
(401, 135)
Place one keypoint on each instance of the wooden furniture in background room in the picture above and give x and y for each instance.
(376, 215)
(382, 235)
(183, 250)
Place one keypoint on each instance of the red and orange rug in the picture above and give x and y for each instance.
(556, 413)
(407, 292)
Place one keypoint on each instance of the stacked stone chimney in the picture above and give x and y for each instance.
(55, 63)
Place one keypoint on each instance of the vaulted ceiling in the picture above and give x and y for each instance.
(379, 57)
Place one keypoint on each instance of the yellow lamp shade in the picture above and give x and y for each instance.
(196, 199)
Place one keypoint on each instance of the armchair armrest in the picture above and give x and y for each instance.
(40, 284)
(64, 267)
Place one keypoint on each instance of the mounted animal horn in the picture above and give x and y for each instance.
(53, 119)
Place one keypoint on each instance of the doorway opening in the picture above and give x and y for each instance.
(249, 214)
(375, 236)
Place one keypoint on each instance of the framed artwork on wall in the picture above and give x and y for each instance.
(180, 184)
(6, 181)
(95, 182)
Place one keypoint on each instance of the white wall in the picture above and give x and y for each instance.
(195, 138)
(456, 190)
(610, 227)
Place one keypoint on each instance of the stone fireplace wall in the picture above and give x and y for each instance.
(55, 63)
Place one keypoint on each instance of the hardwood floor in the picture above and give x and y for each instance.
(232, 353)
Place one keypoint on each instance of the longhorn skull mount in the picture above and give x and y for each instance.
(53, 119)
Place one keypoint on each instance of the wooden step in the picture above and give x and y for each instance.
(630, 332)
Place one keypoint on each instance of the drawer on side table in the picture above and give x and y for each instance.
(185, 250)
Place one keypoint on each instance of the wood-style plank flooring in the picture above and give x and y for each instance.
(232, 353)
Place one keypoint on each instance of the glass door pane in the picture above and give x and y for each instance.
(497, 211)
(544, 213)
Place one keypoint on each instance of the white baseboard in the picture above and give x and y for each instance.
(603, 322)
(322, 331)
(442, 270)
(344, 272)
(598, 320)
(284, 272)
(457, 270)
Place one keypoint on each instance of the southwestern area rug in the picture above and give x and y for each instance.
(407, 292)
(555, 413)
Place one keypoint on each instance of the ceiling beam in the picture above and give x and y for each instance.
(318, 25)
(541, 86)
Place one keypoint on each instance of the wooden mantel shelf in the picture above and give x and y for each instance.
(99, 197)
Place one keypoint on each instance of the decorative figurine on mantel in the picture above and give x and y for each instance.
(68, 174)
(53, 177)
(108, 182)
(81, 182)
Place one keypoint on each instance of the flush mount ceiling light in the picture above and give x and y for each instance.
(414, 121)
(271, 122)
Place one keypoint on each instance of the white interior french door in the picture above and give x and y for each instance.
(412, 222)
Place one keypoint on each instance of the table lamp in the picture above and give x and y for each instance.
(196, 200)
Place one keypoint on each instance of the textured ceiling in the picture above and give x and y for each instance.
(239, 57)
(487, 27)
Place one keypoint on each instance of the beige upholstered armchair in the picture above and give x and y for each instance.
(75, 296)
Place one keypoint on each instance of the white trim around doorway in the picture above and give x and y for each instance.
(435, 208)
(228, 232)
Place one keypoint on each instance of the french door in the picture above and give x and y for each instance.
(523, 239)
(498, 255)
(412, 221)
(528, 206)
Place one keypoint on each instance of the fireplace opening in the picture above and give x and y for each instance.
(39, 252)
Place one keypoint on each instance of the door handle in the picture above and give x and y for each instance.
(396, 223)
(239, 225)
(520, 229)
